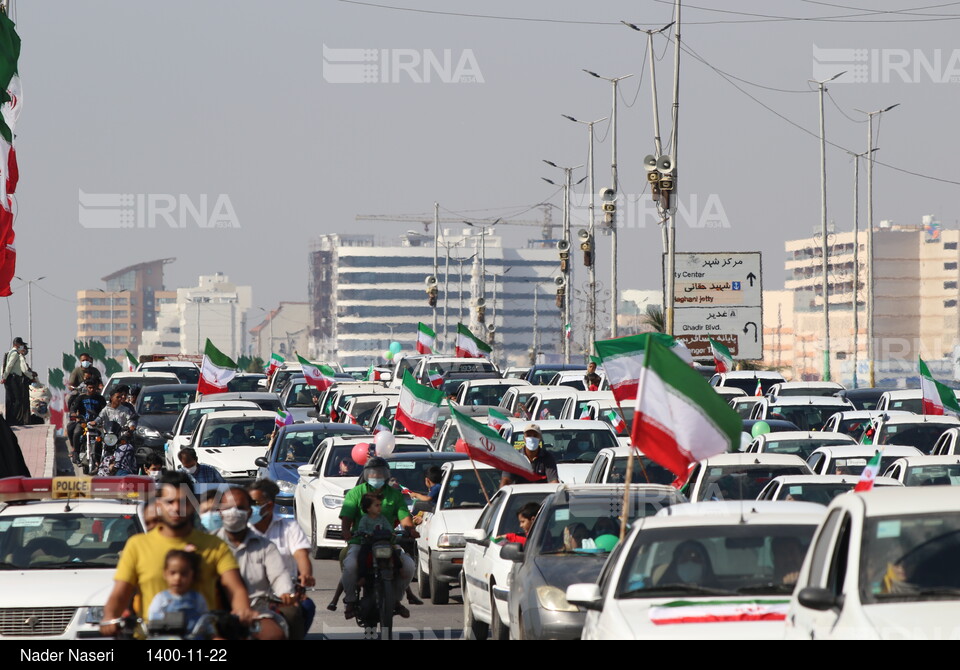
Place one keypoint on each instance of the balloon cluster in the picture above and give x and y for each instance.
(383, 445)
(394, 349)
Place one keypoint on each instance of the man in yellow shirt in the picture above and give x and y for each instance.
(142, 561)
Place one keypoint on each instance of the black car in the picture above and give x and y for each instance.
(158, 407)
(776, 425)
(862, 399)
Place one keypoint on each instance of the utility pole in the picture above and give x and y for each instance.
(436, 251)
(568, 272)
(536, 324)
(856, 263)
(672, 233)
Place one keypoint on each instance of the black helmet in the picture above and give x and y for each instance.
(376, 466)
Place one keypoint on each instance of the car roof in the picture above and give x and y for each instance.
(220, 403)
(806, 385)
(796, 400)
(497, 382)
(440, 456)
(900, 501)
(900, 394)
(866, 451)
(867, 392)
(773, 423)
(737, 512)
(786, 480)
(742, 398)
(788, 435)
(234, 414)
(322, 428)
(167, 364)
(400, 439)
(515, 489)
(916, 461)
(732, 391)
(76, 506)
(604, 491)
(560, 424)
(142, 375)
(247, 395)
(169, 387)
(589, 396)
(467, 465)
(551, 392)
(751, 374)
(921, 418)
(871, 413)
(750, 459)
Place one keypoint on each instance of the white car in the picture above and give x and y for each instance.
(548, 403)
(697, 571)
(484, 579)
(854, 423)
(575, 379)
(907, 400)
(186, 371)
(786, 389)
(947, 444)
(591, 405)
(851, 460)
(610, 467)
(738, 476)
(485, 391)
(574, 443)
(926, 471)
(463, 494)
(742, 404)
(806, 412)
(451, 365)
(189, 417)
(796, 442)
(323, 484)
(883, 565)
(515, 399)
(917, 431)
(746, 380)
(231, 441)
(820, 489)
(59, 555)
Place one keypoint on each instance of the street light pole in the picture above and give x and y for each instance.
(674, 133)
(30, 283)
(856, 263)
(436, 251)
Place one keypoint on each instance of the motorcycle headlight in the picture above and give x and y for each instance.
(94, 616)
(451, 541)
(332, 502)
(382, 551)
(286, 487)
(552, 598)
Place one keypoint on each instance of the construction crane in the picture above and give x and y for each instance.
(547, 225)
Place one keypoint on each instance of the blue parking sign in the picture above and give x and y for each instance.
(736, 285)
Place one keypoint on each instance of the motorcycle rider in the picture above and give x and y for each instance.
(116, 412)
(83, 409)
(376, 473)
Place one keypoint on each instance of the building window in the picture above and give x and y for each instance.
(950, 245)
(949, 266)
(949, 284)
(949, 303)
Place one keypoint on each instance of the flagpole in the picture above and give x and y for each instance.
(629, 475)
(479, 481)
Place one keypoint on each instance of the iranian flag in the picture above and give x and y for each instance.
(496, 419)
(622, 360)
(57, 398)
(418, 407)
(436, 379)
(619, 425)
(869, 474)
(468, 346)
(482, 443)
(321, 377)
(759, 391)
(718, 611)
(679, 418)
(426, 339)
(8, 248)
(585, 414)
(132, 361)
(382, 425)
(12, 101)
(938, 399)
(283, 418)
(276, 361)
(722, 357)
(216, 371)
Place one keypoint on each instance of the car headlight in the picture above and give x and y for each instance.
(332, 502)
(451, 541)
(285, 486)
(552, 598)
(94, 616)
(148, 432)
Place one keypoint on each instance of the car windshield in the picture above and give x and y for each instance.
(297, 446)
(280, 377)
(919, 435)
(933, 475)
(551, 408)
(914, 405)
(806, 417)
(519, 410)
(488, 394)
(340, 462)
(816, 493)
(186, 374)
(163, 402)
(237, 433)
(645, 470)
(853, 427)
(801, 448)
(855, 465)
(245, 383)
(742, 482)
(461, 490)
(863, 402)
(142, 382)
(816, 391)
(572, 445)
(509, 523)
(543, 377)
(744, 407)
(301, 395)
(910, 558)
(749, 386)
(193, 416)
(731, 560)
(575, 526)
(65, 541)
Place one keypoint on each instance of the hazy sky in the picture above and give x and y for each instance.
(229, 97)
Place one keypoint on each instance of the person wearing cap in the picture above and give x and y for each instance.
(542, 461)
(16, 379)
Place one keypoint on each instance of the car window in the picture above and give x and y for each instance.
(490, 394)
(595, 476)
(245, 432)
(914, 405)
(920, 435)
(573, 446)
(296, 446)
(821, 550)
(741, 482)
(645, 470)
(801, 448)
(301, 395)
(806, 417)
(163, 402)
(450, 438)
(461, 489)
(509, 521)
(75, 541)
(490, 513)
(933, 475)
(816, 493)
(841, 551)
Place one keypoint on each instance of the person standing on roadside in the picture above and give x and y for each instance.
(16, 379)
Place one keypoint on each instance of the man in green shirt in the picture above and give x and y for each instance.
(376, 473)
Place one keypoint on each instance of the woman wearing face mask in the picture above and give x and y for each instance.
(690, 565)
(542, 461)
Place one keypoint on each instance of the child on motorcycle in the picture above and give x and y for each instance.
(179, 571)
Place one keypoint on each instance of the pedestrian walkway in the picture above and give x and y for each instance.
(37, 446)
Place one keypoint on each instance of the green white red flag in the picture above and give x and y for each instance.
(320, 377)
(216, 371)
(869, 474)
(622, 360)
(482, 443)
(679, 419)
(382, 425)
(938, 399)
(132, 362)
(759, 390)
(436, 379)
(426, 339)
(718, 611)
(283, 418)
(468, 345)
(722, 357)
(496, 419)
(418, 407)
(276, 361)
(619, 425)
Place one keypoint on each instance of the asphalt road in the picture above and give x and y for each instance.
(426, 622)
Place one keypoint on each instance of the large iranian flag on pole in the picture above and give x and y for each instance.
(426, 339)
(869, 474)
(418, 407)
(468, 345)
(622, 360)
(482, 443)
(938, 399)
(216, 371)
(722, 357)
(321, 377)
(679, 419)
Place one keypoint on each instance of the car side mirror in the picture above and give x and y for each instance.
(322, 418)
(819, 599)
(586, 596)
(312, 413)
(512, 551)
(261, 462)
(167, 436)
(477, 536)
(423, 506)
(307, 471)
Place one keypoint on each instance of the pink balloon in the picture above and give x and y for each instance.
(360, 453)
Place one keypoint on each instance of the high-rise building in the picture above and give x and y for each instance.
(365, 294)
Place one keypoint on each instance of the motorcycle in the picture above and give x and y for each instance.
(380, 555)
(117, 443)
(173, 626)
(90, 457)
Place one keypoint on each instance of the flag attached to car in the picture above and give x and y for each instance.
(619, 425)
(216, 371)
(722, 357)
(468, 345)
(382, 424)
(132, 362)
(426, 339)
(482, 443)
(418, 407)
(869, 474)
(320, 377)
(938, 399)
(283, 418)
(496, 419)
(276, 361)
(679, 419)
(436, 379)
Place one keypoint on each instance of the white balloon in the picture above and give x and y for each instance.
(745, 440)
(385, 442)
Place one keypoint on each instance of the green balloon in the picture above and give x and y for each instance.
(606, 542)
(760, 428)
(395, 347)
(388, 355)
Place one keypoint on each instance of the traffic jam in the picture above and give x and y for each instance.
(642, 495)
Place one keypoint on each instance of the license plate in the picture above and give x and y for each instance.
(72, 487)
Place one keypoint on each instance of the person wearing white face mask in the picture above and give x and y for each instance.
(200, 473)
(542, 461)
(260, 563)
